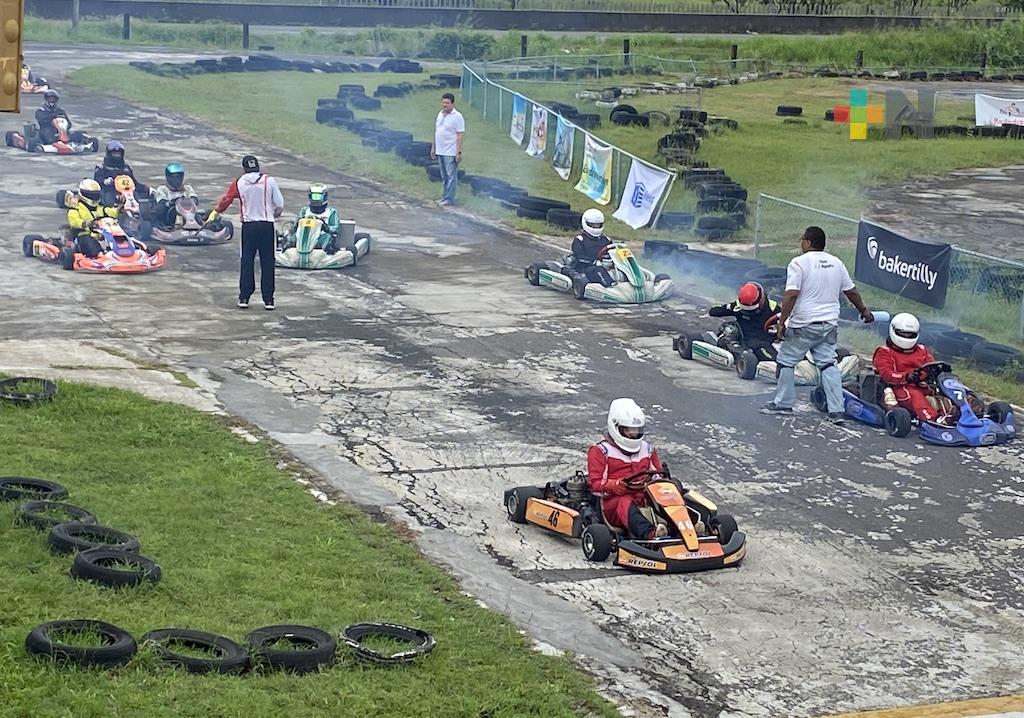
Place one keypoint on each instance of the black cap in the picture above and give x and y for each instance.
(250, 163)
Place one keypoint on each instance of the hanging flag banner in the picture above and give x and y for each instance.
(518, 130)
(538, 132)
(890, 261)
(596, 177)
(565, 135)
(997, 111)
(642, 194)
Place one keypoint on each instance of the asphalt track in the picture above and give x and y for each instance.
(423, 382)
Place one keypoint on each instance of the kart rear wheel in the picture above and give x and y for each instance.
(998, 411)
(533, 274)
(67, 258)
(898, 422)
(579, 286)
(661, 278)
(746, 365)
(819, 399)
(724, 526)
(596, 542)
(685, 345)
(61, 199)
(9, 139)
(517, 499)
(28, 244)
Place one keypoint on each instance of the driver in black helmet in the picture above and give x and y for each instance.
(113, 166)
(167, 194)
(46, 114)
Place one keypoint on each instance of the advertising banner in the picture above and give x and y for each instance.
(642, 194)
(998, 111)
(889, 261)
(518, 130)
(565, 136)
(596, 177)
(538, 132)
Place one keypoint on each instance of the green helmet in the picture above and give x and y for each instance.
(318, 198)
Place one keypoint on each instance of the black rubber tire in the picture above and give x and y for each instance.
(656, 116)
(531, 213)
(579, 287)
(684, 345)
(746, 365)
(543, 204)
(421, 643)
(959, 345)
(67, 258)
(361, 102)
(230, 658)
(930, 331)
(998, 411)
(769, 278)
(119, 649)
(532, 273)
(625, 118)
(9, 139)
(33, 513)
(996, 356)
(819, 400)
(661, 248)
(564, 218)
(60, 199)
(596, 542)
(624, 108)
(898, 422)
(516, 500)
(12, 390)
(789, 111)
(330, 116)
(28, 242)
(21, 488)
(319, 648)
(722, 223)
(350, 89)
(72, 537)
(676, 220)
(94, 565)
(723, 526)
(661, 277)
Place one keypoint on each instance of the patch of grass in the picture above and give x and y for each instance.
(241, 545)
(84, 638)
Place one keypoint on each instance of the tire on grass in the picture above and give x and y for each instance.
(39, 514)
(315, 648)
(104, 566)
(21, 488)
(119, 646)
(75, 536)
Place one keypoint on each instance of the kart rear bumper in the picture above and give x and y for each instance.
(618, 293)
(650, 557)
(319, 259)
(186, 237)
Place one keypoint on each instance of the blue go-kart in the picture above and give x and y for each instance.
(975, 425)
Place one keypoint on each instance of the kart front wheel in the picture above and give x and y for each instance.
(517, 499)
(533, 274)
(28, 244)
(819, 399)
(685, 346)
(67, 258)
(724, 526)
(9, 139)
(746, 365)
(597, 542)
(898, 422)
(999, 411)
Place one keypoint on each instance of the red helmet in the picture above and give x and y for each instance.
(751, 296)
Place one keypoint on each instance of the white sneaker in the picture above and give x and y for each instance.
(269, 307)
(243, 304)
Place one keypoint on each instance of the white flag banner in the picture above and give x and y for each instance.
(518, 129)
(642, 194)
(998, 111)
(565, 135)
(538, 132)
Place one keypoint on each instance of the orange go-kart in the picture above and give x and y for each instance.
(67, 142)
(698, 536)
(32, 85)
(120, 253)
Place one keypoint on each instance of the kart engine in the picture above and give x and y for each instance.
(577, 489)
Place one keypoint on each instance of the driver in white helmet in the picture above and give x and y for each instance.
(899, 362)
(590, 246)
(621, 454)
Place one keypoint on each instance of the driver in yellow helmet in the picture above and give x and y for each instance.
(84, 214)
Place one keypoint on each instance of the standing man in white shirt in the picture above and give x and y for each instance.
(810, 322)
(261, 202)
(449, 127)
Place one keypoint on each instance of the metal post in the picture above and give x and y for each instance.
(664, 201)
(757, 224)
(126, 27)
(859, 61)
(734, 52)
(1020, 322)
(501, 105)
(616, 175)
(625, 52)
(245, 35)
(485, 99)
(983, 61)
(75, 12)
(523, 40)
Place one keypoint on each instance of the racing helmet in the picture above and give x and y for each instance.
(750, 297)
(593, 222)
(626, 423)
(51, 99)
(318, 198)
(115, 154)
(174, 174)
(904, 330)
(89, 192)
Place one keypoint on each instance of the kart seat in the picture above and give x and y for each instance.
(870, 388)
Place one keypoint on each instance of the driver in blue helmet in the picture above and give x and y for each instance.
(167, 194)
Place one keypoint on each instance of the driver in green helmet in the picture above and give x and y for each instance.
(167, 194)
(318, 208)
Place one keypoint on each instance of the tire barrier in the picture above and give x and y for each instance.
(27, 389)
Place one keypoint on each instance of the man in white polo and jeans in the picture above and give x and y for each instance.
(446, 148)
(809, 322)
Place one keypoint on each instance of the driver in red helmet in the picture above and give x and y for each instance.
(623, 453)
(756, 316)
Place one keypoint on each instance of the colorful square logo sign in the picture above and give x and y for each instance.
(859, 114)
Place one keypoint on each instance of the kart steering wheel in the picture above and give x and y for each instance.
(929, 373)
(647, 474)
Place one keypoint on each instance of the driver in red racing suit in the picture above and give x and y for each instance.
(898, 362)
(621, 454)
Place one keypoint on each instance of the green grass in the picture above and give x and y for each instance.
(241, 546)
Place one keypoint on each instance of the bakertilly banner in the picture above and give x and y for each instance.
(911, 269)
(596, 175)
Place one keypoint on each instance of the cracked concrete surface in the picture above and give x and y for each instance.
(431, 377)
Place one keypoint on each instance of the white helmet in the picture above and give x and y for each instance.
(626, 422)
(903, 330)
(593, 222)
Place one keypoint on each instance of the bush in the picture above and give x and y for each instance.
(453, 45)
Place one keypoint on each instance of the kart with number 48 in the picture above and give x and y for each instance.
(698, 537)
(631, 283)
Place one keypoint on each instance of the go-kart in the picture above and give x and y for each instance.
(631, 283)
(120, 254)
(310, 244)
(190, 226)
(32, 85)
(726, 349)
(123, 195)
(67, 143)
(699, 538)
(976, 425)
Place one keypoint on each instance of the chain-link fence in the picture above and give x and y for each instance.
(985, 295)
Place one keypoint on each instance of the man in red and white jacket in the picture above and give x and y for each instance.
(261, 202)
(621, 454)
